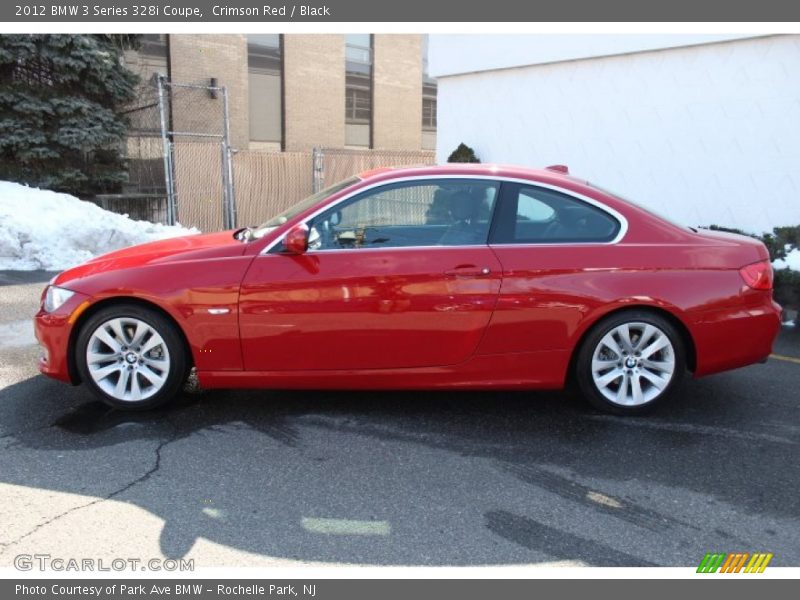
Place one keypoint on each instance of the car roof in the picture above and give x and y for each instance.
(469, 170)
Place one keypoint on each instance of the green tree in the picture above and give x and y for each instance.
(463, 154)
(61, 98)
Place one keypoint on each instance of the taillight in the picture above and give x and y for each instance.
(758, 275)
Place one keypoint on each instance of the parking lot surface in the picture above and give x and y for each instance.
(375, 478)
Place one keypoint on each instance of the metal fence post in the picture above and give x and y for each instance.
(227, 154)
(167, 152)
(318, 169)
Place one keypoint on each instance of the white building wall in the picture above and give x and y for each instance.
(455, 54)
(705, 134)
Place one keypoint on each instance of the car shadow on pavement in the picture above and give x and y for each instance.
(424, 478)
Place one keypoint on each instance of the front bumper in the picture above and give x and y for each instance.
(53, 331)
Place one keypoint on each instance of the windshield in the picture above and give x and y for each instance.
(301, 206)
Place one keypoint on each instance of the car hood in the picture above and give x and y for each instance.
(177, 249)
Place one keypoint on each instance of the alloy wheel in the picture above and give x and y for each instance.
(633, 364)
(128, 359)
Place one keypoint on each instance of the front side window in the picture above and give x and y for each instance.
(452, 212)
(531, 215)
(303, 205)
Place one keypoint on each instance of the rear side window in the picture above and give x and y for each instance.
(534, 215)
(531, 209)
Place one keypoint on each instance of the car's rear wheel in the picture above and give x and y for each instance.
(630, 362)
(131, 357)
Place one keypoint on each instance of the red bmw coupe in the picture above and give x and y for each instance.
(468, 277)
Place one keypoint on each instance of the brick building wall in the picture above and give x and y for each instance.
(314, 88)
(307, 77)
(196, 59)
(397, 96)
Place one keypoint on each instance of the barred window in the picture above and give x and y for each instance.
(265, 67)
(429, 92)
(358, 90)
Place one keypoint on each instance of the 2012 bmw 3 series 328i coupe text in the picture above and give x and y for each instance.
(451, 277)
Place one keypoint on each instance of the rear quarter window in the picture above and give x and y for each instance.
(535, 215)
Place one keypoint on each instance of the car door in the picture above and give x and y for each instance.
(397, 276)
(557, 252)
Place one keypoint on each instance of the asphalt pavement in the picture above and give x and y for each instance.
(374, 478)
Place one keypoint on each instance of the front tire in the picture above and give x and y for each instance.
(131, 357)
(631, 362)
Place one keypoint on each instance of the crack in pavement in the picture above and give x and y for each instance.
(162, 444)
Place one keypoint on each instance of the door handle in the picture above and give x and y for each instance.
(468, 271)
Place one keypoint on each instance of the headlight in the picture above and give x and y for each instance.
(55, 297)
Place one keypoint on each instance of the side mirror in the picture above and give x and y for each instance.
(296, 241)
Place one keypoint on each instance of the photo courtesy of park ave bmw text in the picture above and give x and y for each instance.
(359, 299)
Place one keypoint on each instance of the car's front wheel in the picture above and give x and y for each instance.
(131, 357)
(630, 362)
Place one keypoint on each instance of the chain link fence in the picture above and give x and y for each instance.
(178, 157)
(332, 165)
(269, 182)
(197, 155)
(183, 169)
(143, 195)
(198, 184)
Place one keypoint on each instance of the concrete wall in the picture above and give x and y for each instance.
(704, 134)
(314, 91)
(397, 99)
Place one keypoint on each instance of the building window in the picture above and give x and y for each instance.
(358, 90)
(429, 90)
(150, 58)
(429, 107)
(153, 50)
(358, 105)
(265, 69)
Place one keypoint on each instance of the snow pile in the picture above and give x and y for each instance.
(40, 229)
(792, 261)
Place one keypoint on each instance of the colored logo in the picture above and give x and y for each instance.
(734, 562)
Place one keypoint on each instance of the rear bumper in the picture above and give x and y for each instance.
(735, 337)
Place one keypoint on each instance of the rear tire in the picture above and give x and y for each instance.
(630, 362)
(131, 357)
